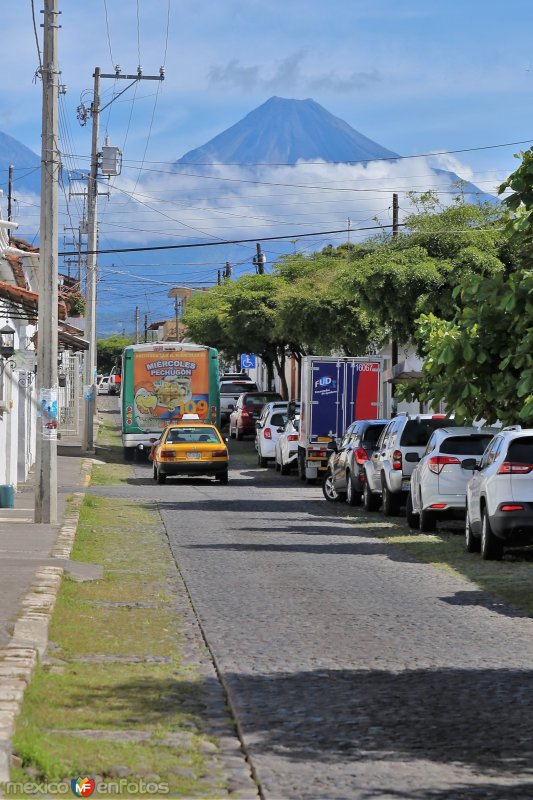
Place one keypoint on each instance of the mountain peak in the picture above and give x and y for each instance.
(284, 131)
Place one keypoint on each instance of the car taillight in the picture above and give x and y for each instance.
(512, 468)
(438, 505)
(245, 412)
(267, 433)
(167, 453)
(219, 453)
(512, 507)
(292, 437)
(360, 455)
(397, 459)
(436, 463)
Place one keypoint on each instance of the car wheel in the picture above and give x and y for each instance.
(391, 502)
(491, 546)
(472, 543)
(411, 517)
(262, 462)
(285, 469)
(353, 496)
(427, 522)
(301, 466)
(276, 465)
(155, 472)
(161, 477)
(223, 478)
(371, 501)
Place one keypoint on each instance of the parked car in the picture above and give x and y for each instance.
(247, 411)
(438, 482)
(267, 430)
(115, 379)
(499, 496)
(103, 385)
(236, 376)
(190, 448)
(230, 391)
(400, 446)
(345, 475)
(286, 456)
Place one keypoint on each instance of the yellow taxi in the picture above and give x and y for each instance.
(190, 447)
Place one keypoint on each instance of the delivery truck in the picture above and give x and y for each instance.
(160, 383)
(334, 393)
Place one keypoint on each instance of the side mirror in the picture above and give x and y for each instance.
(333, 447)
(412, 457)
(231, 407)
(152, 440)
(291, 409)
(470, 463)
(257, 425)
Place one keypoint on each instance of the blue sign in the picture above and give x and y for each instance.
(247, 361)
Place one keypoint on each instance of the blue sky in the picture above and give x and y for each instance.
(415, 76)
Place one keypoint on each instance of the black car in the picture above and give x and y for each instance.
(345, 476)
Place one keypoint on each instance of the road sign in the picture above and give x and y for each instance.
(247, 361)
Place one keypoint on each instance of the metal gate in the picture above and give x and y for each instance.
(70, 394)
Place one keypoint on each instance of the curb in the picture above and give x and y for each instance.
(30, 635)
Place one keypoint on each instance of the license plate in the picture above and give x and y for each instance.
(406, 483)
(193, 455)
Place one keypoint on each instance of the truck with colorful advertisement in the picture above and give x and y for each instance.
(160, 383)
(334, 393)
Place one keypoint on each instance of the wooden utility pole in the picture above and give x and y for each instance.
(9, 192)
(394, 341)
(136, 318)
(47, 385)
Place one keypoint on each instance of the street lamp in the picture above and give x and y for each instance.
(7, 342)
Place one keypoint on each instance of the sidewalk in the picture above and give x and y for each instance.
(26, 547)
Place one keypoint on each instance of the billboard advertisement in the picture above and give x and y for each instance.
(166, 385)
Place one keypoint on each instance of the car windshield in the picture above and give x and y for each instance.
(371, 435)
(192, 435)
(521, 450)
(237, 388)
(465, 445)
(261, 399)
(417, 432)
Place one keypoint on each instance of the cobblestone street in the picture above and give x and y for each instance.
(353, 671)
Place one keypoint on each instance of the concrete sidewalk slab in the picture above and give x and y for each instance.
(26, 546)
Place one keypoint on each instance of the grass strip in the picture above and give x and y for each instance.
(140, 708)
(509, 580)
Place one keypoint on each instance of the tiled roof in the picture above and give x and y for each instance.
(25, 303)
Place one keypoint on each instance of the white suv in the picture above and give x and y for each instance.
(273, 417)
(399, 448)
(499, 496)
(438, 482)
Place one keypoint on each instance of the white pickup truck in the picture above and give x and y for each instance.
(229, 394)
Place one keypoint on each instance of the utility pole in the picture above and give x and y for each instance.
(176, 317)
(219, 280)
(145, 328)
(136, 324)
(394, 341)
(92, 236)
(90, 299)
(9, 192)
(259, 260)
(227, 271)
(46, 463)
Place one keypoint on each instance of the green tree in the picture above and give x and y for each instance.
(109, 351)
(479, 360)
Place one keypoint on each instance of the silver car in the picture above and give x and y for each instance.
(438, 482)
